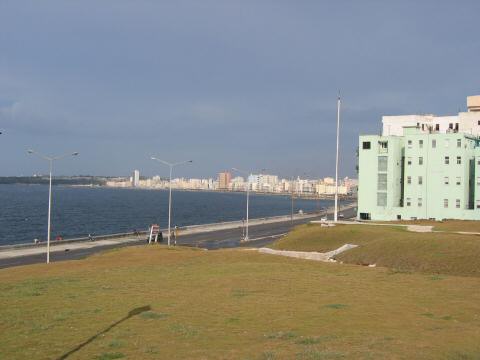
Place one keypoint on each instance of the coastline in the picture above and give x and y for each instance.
(252, 193)
(102, 211)
(122, 239)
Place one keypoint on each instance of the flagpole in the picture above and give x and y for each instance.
(335, 214)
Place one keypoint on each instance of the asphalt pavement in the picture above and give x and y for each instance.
(259, 235)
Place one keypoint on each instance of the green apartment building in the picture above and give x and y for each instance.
(422, 167)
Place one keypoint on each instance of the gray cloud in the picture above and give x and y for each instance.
(231, 83)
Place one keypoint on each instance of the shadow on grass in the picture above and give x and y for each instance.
(133, 312)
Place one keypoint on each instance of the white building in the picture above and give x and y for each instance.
(121, 182)
(329, 180)
(263, 182)
(465, 122)
(254, 182)
(136, 178)
(238, 184)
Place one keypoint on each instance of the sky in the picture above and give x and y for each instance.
(250, 84)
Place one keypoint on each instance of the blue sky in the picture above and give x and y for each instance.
(248, 84)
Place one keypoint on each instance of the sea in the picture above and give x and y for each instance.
(79, 211)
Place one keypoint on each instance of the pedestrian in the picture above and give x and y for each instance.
(175, 232)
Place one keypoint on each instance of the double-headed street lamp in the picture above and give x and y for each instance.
(50, 159)
(248, 197)
(171, 165)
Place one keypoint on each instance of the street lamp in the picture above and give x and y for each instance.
(335, 214)
(291, 204)
(292, 195)
(50, 159)
(171, 165)
(248, 197)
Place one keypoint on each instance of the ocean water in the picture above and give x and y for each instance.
(78, 211)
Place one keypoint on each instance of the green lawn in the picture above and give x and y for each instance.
(393, 247)
(233, 304)
(446, 225)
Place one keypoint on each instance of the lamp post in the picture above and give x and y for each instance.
(292, 194)
(171, 166)
(50, 159)
(335, 214)
(291, 202)
(248, 198)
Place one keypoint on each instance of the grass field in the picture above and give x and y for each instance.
(393, 247)
(446, 225)
(232, 304)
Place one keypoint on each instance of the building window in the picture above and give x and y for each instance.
(409, 180)
(447, 160)
(478, 122)
(447, 143)
(382, 182)
(450, 126)
(478, 162)
(456, 126)
(409, 202)
(366, 145)
(420, 144)
(437, 127)
(381, 199)
(478, 201)
(446, 180)
(458, 180)
(420, 201)
(459, 143)
(457, 203)
(409, 144)
(459, 159)
(434, 144)
(445, 203)
(420, 160)
(420, 180)
(409, 161)
(383, 146)
(382, 163)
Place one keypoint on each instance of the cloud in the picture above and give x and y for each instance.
(231, 82)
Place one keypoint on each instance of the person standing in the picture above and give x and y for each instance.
(175, 233)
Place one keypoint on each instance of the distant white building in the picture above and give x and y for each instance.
(268, 182)
(329, 180)
(238, 184)
(136, 178)
(262, 182)
(465, 122)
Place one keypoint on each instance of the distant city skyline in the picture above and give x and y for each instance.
(263, 182)
(247, 84)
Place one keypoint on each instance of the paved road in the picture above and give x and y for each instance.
(260, 236)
